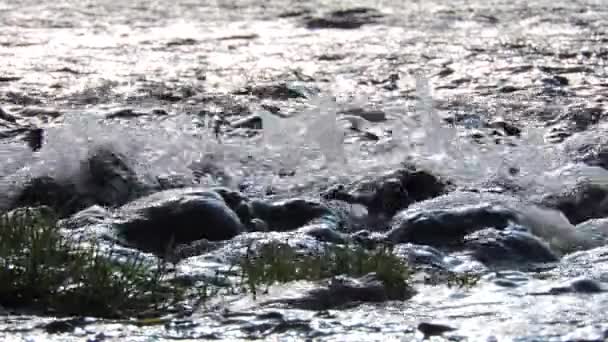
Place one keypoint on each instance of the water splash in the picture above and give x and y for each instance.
(305, 151)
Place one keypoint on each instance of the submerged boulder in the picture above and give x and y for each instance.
(104, 178)
(290, 214)
(340, 291)
(110, 179)
(447, 220)
(506, 247)
(178, 216)
(389, 193)
(447, 225)
(351, 18)
(580, 202)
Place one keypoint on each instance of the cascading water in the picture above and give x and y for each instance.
(295, 152)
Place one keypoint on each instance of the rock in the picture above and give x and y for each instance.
(582, 116)
(434, 329)
(281, 91)
(104, 178)
(210, 166)
(35, 138)
(589, 147)
(181, 42)
(252, 121)
(90, 216)
(289, 214)
(344, 19)
(4, 115)
(448, 218)
(110, 179)
(422, 255)
(556, 80)
(40, 111)
(391, 192)
(590, 264)
(340, 291)
(506, 127)
(324, 232)
(578, 285)
(507, 89)
(507, 247)
(177, 216)
(123, 113)
(371, 115)
(449, 226)
(580, 202)
(368, 239)
(63, 198)
(596, 229)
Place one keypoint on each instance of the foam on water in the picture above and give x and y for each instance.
(309, 147)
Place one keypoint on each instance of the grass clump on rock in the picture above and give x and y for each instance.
(280, 263)
(41, 270)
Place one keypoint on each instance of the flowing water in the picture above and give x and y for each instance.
(443, 75)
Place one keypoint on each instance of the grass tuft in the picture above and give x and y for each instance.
(280, 263)
(42, 270)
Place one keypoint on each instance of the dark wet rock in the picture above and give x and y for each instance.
(341, 291)
(434, 329)
(585, 285)
(590, 147)
(281, 91)
(510, 246)
(331, 57)
(252, 121)
(508, 89)
(324, 232)
(447, 71)
(556, 80)
(9, 78)
(558, 134)
(345, 19)
(66, 325)
(192, 249)
(289, 214)
(34, 138)
(449, 226)
(422, 255)
(578, 285)
(582, 116)
(177, 216)
(123, 113)
(104, 178)
(225, 106)
(91, 216)
(391, 192)
(40, 111)
(63, 198)
(591, 264)
(240, 37)
(6, 116)
(172, 181)
(579, 203)
(210, 166)
(181, 42)
(294, 13)
(596, 229)
(110, 180)
(508, 128)
(371, 115)
(368, 239)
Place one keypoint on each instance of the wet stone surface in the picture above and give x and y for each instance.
(467, 136)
